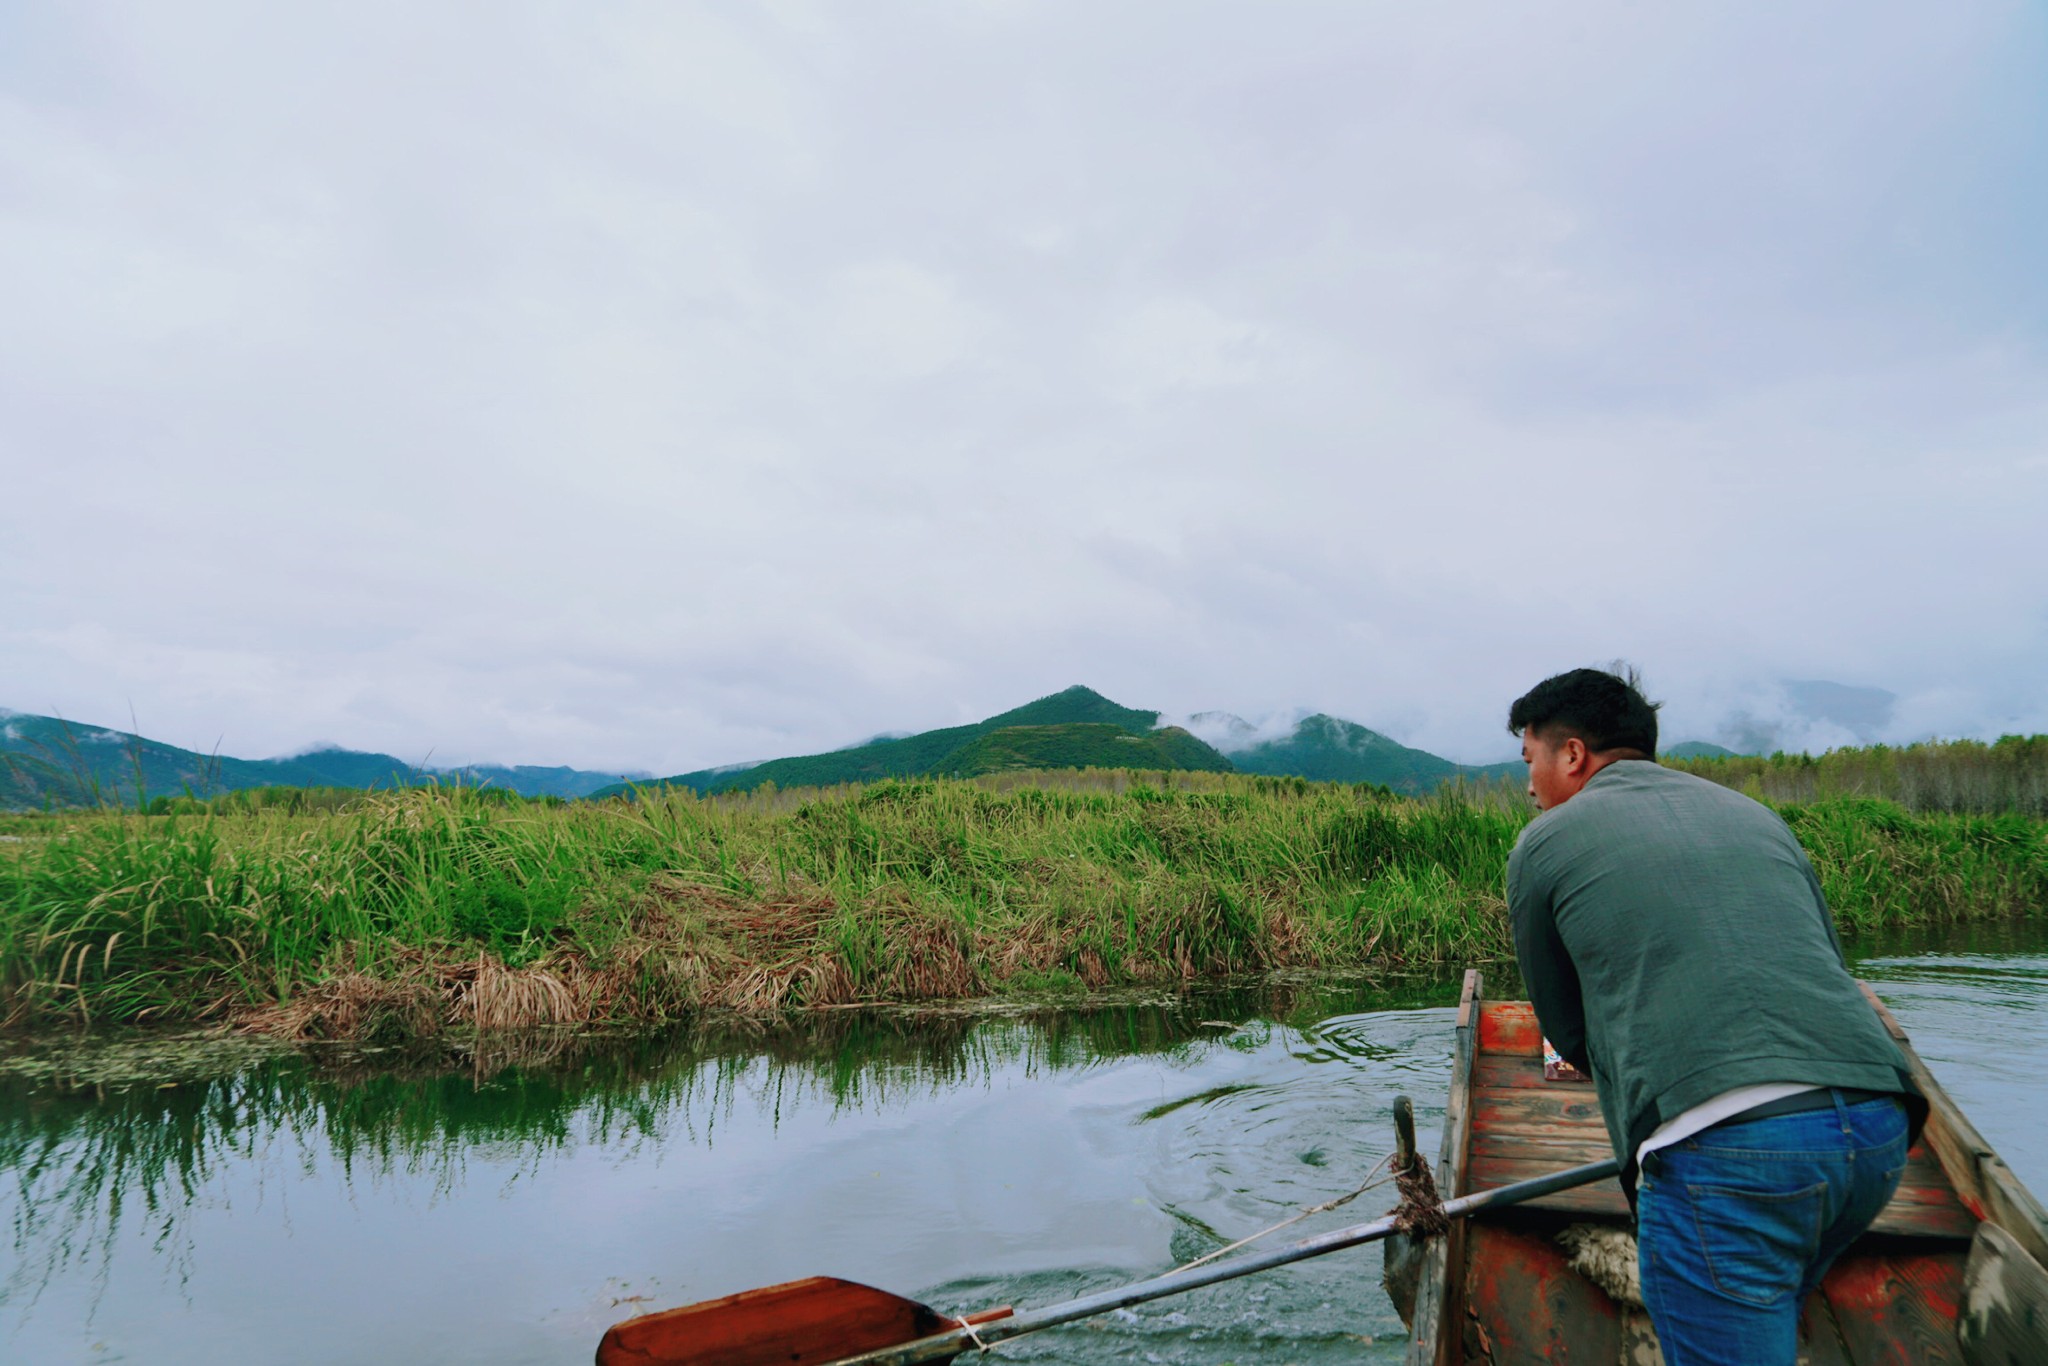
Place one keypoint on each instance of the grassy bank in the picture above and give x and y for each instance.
(402, 914)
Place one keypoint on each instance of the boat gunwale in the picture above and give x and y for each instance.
(1988, 1189)
(1438, 1295)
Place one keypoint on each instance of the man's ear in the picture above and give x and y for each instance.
(1576, 755)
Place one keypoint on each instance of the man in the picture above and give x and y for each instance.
(1677, 947)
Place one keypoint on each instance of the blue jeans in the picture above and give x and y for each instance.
(1736, 1225)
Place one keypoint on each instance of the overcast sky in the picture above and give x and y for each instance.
(655, 386)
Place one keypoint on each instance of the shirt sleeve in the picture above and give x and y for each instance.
(1547, 969)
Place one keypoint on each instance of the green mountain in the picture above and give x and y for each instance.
(1328, 749)
(1695, 749)
(916, 756)
(27, 782)
(331, 766)
(1081, 728)
(1080, 745)
(46, 761)
(355, 768)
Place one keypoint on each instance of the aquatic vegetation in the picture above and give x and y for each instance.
(408, 913)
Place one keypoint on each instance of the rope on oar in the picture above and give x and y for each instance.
(1421, 1214)
(1371, 1180)
(964, 1326)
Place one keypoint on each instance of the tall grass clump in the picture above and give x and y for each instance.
(1883, 867)
(404, 913)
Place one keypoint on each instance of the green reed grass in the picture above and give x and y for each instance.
(407, 912)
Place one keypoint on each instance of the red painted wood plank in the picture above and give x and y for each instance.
(1553, 1126)
(1603, 1198)
(1820, 1341)
(1518, 1149)
(1495, 1122)
(1947, 1221)
(1943, 1218)
(1897, 1308)
(1557, 1104)
(1509, 1027)
(1528, 1306)
(1517, 1070)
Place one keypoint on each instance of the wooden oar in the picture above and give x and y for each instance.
(821, 1320)
(797, 1323)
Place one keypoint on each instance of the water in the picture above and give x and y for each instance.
(350, 1208)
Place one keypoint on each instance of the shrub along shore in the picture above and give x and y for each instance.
(391, 915)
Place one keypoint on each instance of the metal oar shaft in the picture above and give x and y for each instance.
(943, 1345)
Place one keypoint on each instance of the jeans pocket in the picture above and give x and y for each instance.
(1757, 1244)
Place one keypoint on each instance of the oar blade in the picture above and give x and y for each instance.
(797, 1323)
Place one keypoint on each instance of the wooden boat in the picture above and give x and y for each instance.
(1952, 1271)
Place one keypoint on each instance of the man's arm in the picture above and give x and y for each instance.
(1547, 969)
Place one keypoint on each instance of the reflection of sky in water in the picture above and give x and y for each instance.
(1980, 1022)
(465, 1221)
(396, 1220)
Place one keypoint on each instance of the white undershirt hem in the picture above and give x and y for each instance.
(1708, 1113)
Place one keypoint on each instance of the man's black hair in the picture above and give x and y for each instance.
(1605, 709)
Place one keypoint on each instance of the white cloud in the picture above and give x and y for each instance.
(1231, 733)
(899, 321)
(1168, 344)
(660, 387)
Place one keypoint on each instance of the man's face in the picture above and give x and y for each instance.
(1554, 765)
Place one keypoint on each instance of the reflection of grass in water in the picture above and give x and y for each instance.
(1213, 1094)
(94, 1141)
(2002, 937)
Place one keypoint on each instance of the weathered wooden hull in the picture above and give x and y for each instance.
(1927, 1283)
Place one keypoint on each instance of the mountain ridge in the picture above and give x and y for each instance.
(909, 756)
(47, 760)
(1320, 747)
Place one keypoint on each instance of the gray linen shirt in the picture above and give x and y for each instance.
(1676, 945)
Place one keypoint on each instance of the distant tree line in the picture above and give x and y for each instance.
(2009, 774)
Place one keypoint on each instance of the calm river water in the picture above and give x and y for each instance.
(332, 1208)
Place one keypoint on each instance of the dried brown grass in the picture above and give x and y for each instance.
(354, 1004)
(720, 952)
(411, 994)
(498, 997)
